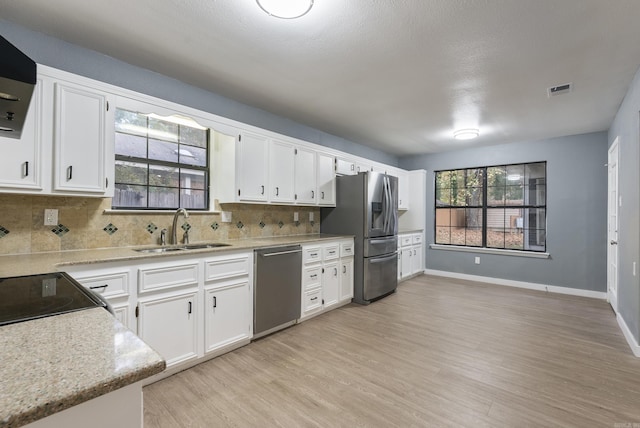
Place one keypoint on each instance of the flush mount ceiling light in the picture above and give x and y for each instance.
(285, 9)
(466, 134)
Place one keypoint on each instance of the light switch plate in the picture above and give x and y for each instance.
(51, 217)
(311, 216)
(295, 216)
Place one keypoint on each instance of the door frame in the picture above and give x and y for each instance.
(613, 231)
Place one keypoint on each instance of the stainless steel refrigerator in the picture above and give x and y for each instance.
(367, 207)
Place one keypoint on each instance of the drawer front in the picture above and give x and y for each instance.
(226, 267)
(405, 240)
(108, 285)
(311, 277)
(331, 252)
(159, 278)
(346, 249)
(311, 254)
(312, 300)
(417, 239)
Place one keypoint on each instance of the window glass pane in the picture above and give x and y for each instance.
(535, 229)
(495, 237)
(192, 155)
(474, 217)
(126, 196)
(458, 226)
(163, 197)
(130, 145)
(514, 195)
(535, 194)
(163, 151)
(165, 176)
(475, 177)
(131, 172)
(514, 240)
(192, 179)
(474, 196)
(193, 136)
(535, 171)
(443, 197)
(496, 227)
(474, 237)
(515, 175)
(163, 130)
(458, 236)
(495, 196)
(130, 122)
(496, 176)
(443, 235)
(443, 217)
(192, 198)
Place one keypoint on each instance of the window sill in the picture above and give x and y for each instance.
(155, 212)
(531, 254)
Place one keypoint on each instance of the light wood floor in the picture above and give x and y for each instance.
(439, 352)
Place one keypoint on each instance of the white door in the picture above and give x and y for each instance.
(346, 278)
(612, 234)
(330, 284)
(326, 180)
(227, 315)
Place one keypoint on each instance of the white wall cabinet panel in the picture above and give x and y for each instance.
(81, 132)
(330, 284)
(169, 325)
(227, 315)
(281, 172)
(305, 176)
(21, 160)
(252, 167)
(416, 261)
(326, 180)
(403, 190)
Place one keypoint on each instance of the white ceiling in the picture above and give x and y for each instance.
(396, 75)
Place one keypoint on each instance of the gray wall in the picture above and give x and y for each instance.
(56, 53)
(576, 217)
(625, 127)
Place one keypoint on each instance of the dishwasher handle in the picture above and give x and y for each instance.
(280, 253)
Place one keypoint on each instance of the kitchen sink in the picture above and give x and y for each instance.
(180, 248)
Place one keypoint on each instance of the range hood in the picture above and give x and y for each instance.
(17, 81)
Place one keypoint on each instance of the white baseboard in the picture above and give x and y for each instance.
(635, 348)
(520, 284)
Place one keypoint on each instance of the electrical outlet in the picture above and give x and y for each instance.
(477, 260)
(51, 217)
(295, 216)
(311, 216)
(226, 216)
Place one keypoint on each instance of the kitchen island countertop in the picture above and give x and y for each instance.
(51, 364)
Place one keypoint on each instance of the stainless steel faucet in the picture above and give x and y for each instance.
(163, 237)
(174, 232)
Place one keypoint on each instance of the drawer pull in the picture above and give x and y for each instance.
(95, 287)
(215, 302)
(314, 298)
(189, 308)
(315, 275)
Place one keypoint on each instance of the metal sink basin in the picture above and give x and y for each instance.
(180, 248)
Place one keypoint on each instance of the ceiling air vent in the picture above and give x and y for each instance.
(559, 90)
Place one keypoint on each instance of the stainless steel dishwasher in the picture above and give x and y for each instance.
(278, 273)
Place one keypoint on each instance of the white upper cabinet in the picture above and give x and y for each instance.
(345, 167)
(83, 128)
(305, 176)
(281, 172)
(252, 164)
(326, 194)
(21, 160)
(403, 190)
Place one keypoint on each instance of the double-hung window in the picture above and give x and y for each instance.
(161, 163)
(502, 207)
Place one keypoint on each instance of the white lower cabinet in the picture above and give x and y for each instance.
(227, 316)
(410, 255)
(327, 276)
(169, 325)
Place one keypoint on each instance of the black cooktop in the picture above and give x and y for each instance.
(24, 298)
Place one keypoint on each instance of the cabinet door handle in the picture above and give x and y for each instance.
(277, 191)
(215, 302)
(70, 172)
(344, 269)
(262, 192)
(414, 252)
(26, 169)
(335, 271)
(313, 194)
(189, 307)
(95, 287)
(321, 195)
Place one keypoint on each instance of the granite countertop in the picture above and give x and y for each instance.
(53, 363)
(35, 263)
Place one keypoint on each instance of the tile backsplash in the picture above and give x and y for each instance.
(83, 224)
